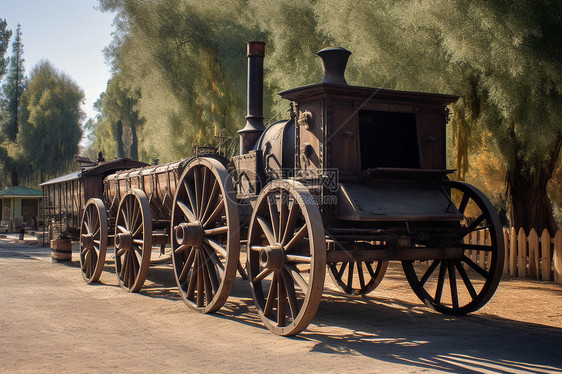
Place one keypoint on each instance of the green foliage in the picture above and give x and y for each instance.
(13, 89)
(5, 36)
(118, 122)
(50, 121)
(503, 58)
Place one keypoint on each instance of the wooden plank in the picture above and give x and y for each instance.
(482, 254)
(546, 261)
(506, 257)
(401, 254)
(558, 257)
(473, 240)
(521, 254)
(512, 252)
(534, 259)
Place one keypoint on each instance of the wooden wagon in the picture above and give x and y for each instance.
(356, 177)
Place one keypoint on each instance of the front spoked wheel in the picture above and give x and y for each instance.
(205, 235)
(465, 284)
(286, 256)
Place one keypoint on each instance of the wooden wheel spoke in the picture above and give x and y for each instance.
(283, 214)
(271, 297)
(261, 276)
(297, 277)
(273, 217)
(136, 265)
(192, 202)
(440, 282)
(477, 247)
(138, 241)
(186, 211)
(84, 251)
(267, 230)
(88, 220)
(97, 241)
(216, 214)
(211, 200)
(360, 274)
(193, 278)
(298, 259)
(429, 272)
(197, 184)
(216, 246)
(124, 266)
(466, 280)
(291, 223)
(291, 293)
(206, 275)
(215, 260)
(464, 202)
(473, 265)
(211, 264)
(339, 274)
(281, 301)
(121, 252)
(138, 230)
(122, 228)
(187, 266)
(350, 277)
(453, 284)
(216, 231)
(299, 236)
(476, 222)
(181, 248)
(204, 191)
(200, 284)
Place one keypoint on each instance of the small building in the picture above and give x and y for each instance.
(19, 207)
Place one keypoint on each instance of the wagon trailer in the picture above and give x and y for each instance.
(355, 178)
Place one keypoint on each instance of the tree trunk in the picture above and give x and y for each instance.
(119, 140)
(15, 181)
(134, 142)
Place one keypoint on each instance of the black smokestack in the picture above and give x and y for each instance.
(254, 125)
(334, 61)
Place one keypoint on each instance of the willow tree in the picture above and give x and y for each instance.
(187, 60)
(118, 121)
(50, 121)
(502, 58)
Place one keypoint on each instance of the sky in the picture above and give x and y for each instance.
(71, 34)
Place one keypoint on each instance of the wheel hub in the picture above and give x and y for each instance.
(190, 234)
(88, 240)
(272, 257)
(124, 240)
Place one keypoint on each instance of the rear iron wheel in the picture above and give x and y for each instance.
(133, 240)
(463, 285)
(93, 240)
(205, 235)
(286, 256)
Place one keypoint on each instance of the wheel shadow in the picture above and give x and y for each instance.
(411, 334)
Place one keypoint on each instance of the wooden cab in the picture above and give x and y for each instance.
(357, 129)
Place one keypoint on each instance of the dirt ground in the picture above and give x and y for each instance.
(51, 321)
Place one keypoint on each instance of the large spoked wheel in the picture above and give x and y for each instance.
(133, 240)
(287, 256)
(93, 240)
(205, 235)
(357, 278)
(463, 285)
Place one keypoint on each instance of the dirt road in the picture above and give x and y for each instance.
(51, 321)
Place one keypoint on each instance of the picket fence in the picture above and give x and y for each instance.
(526, 256)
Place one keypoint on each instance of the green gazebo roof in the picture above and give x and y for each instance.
(20, 191)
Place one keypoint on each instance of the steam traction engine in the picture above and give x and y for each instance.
(354, 179)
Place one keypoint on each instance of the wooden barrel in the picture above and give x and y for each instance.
(61, 250)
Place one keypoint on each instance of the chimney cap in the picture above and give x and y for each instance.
(334, 61)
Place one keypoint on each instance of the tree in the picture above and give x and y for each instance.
(5, 36)
(14, 88)
(50, 121)
(119, 120)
